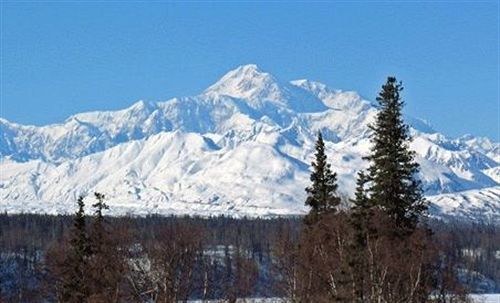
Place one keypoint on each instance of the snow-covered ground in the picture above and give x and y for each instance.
(247, 300)
(487, 298)
(241, 147)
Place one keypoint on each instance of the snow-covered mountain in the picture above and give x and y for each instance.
(241, 147)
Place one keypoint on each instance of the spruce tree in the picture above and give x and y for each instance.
(106, 263)
(98, 228)
(394, 187)
(360, 223)
(75, 288)
(361, 209)
(322, 197)
(361, 201)
(99, 206)
(79, 239)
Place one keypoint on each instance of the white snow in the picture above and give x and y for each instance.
(242, 147)
(486, 298)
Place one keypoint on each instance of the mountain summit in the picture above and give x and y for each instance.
(242, 147)
(263, 91)
(247, 82)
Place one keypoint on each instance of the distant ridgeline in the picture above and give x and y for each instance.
(242, 147)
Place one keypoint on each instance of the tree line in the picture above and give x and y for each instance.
(382, 249)
(27, 242)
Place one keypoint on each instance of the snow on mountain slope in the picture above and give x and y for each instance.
(264, 92)
(243, 146)
(472, 204)
(166, 172)
(459, 169)
(484, 145)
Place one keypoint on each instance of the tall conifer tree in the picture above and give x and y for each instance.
(75, 288)
(394, 187)
(98, 228)
(106, 265)
(361, 200)
(361, 209)
(360, 221)
(322, 196)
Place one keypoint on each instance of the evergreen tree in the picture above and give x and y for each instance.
(361, 201)
(107, 262)
(75, 287)
(98, 228)
(360, 222)
(322, 197)
(79, 239)
(361, 209)
(392, 173)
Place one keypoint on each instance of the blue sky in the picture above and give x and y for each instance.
(60, 58)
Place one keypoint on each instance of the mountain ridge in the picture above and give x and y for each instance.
(248, 116)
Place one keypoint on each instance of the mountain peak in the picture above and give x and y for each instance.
(141, 105)
(247, 82)
(247, 70)
(252, 68)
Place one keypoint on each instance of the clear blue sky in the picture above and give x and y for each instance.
(60, 58)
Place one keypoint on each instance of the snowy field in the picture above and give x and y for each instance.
(491, 298)
(486, 298)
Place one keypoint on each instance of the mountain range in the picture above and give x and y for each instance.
(242, 147)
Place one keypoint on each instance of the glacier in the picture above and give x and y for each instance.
(242, 147)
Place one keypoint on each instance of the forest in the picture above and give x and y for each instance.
(381, 245)
(228, 257)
